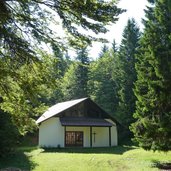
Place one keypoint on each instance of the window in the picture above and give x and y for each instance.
(73, 138)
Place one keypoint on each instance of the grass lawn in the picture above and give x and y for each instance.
(96, 159)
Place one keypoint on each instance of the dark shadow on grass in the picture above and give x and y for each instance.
(18, 160)
(96, 150)
(162, 165)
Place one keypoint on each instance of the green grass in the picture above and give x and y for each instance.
(95, 159)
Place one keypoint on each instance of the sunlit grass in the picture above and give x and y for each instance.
(98, 159)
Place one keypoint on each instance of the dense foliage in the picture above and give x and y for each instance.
(25, 89)
(152, 129)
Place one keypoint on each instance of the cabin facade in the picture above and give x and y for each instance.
(77, 123)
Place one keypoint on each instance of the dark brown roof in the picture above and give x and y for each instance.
(81, 121)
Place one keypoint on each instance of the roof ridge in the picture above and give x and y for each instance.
(71, 100)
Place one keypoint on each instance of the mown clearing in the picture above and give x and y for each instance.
(97, 159)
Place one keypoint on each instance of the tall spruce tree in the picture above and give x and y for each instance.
(152, 129)
(126, 73)
(75, 79)
(82, 71)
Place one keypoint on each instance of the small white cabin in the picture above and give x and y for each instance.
(77, 123)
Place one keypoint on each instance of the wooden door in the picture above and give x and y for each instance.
(74, 139)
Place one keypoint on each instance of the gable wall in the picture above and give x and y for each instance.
(51, 133)
(86, 108)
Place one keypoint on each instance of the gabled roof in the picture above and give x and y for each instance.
(58, 108)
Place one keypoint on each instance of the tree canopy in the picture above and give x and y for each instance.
(23, 22)
(25, 75)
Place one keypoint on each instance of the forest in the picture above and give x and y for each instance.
(131, 81)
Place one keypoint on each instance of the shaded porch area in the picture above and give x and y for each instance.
(86, 132)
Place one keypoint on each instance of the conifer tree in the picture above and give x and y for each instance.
(152, 128)
(114, 46)
(75, 79)
(104, 50)
(126, 72)
(82, 71)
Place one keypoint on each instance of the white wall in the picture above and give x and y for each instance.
(101, 137)
(51, 133)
